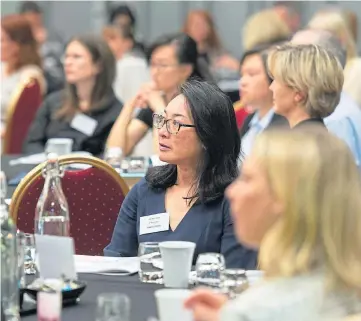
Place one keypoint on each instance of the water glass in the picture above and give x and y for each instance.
(209, 270)
(234, 282)
(29, 254)
(59, 146)
(151, 263)
(113, 307)
(114, 157)
(20, 245)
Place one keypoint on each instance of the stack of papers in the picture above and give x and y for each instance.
(106, 265)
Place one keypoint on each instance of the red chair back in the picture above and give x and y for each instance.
(21, 113)
(94, 197)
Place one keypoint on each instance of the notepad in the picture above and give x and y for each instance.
(106, 265)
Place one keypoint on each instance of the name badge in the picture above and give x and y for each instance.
(84, 124)
(154, 223)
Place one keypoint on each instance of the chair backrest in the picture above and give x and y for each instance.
(94, 196)
(20, 114)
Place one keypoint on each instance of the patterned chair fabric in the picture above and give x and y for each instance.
(21, 112)
(94, 198)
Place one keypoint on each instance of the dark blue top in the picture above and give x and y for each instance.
(208, 225)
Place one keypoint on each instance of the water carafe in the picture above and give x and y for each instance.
(52, 210)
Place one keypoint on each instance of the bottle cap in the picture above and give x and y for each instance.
(52, 157)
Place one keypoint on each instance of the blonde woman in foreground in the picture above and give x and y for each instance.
(298, 200)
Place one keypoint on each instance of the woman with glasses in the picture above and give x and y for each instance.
(184, 200)
(173, 60)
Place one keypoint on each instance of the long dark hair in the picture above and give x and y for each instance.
(186, 52)
(19, 30)
(103, 91)
(215, 124)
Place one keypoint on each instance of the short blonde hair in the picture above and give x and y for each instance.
(264, 27)
(311, 70)
(335, 22)
(314, 175)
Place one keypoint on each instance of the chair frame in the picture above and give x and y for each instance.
(12, 105)
(63, 160)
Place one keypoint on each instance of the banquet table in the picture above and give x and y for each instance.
(141, 297)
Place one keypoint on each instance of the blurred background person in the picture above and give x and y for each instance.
(173, 60)
(254, 86)
(200, 26)
(334, 22)
(51, 46)
(288, 13)
(352, 22)
(299, 93)
(264, 27)
(123, 16)
(20, 60)
(306, 240)
(345, 121)
(132, 68)
(85, 112)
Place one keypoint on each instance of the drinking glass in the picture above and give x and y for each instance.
(209, 270)
(29, 254)
(151, 264)
(113, 307)
(114, 157)
(234, 282)
(20, 244)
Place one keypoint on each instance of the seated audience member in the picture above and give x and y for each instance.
(334, 22)
(345, 121)
(264, 27)
(200, 26)
(173, 59)
(51, 46)
(299, 93)
(254, 86)
(352, 23)
(19, 60)
(85, 112)
(302, 210)
(288, 13)
(123, 17)
(190, 189)
(132, 69)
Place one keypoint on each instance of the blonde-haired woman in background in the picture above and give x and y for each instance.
(336, 23)
(307, 83)
(303, 210)
(264, 27)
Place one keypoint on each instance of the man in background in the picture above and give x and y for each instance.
(288, 12)
(51, 49)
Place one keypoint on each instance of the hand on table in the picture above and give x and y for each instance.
(205, 305)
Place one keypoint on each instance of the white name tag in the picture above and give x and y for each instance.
(154, 223)
(84, 124)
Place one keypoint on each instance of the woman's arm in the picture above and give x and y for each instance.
(127, 131)
(235, 254)
(124, 240)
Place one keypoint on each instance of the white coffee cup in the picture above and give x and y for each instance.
(59, 146)
(170, 304)
(177, 262)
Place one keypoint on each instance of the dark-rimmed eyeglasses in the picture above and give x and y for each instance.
(173, 126)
